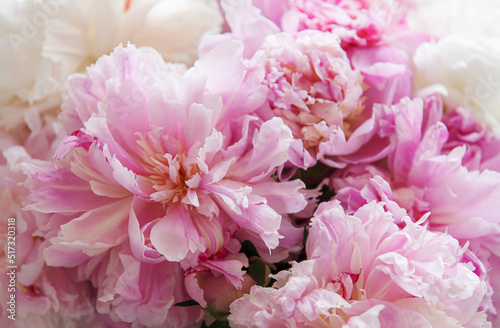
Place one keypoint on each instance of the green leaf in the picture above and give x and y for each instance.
(220, 324)
(313, 176)
(214, 314)
(187, 303)
(326, 194)
(258, 270)
(249, 249)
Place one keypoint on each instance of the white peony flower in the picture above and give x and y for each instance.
(464, 63)
(463, 17)
(44, 41)
(469, 71)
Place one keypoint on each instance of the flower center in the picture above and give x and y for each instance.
(315, 93)
(168, 175)
(127, 5)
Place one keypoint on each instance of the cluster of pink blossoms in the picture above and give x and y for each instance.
(294, 175)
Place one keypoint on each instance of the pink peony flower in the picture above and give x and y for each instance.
(364, 269)
(433, 180)
(357, 185)
(426, 172)
(480, 143)
(387, 72)
(245, 22)
(312, 87)
(372, 140)
(468, 214)
(44, 296)
(167, 163)
(129, 291)
(385, 181)
(356, 22)
(418, 162)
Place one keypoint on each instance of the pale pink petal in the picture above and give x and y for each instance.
(270, 145)
(175, 235)
(246, 24)
(386, 70)
(59, 190)
(236, 82)
(378, 313)
(92, 233)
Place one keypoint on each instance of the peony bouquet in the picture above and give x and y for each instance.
(250, 163)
